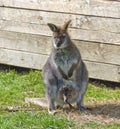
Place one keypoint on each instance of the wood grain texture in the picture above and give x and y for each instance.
(22, 59)
(103, 71)
(36, 61)
(99, 52)
(25, 42)
(91, 51)
(78, 34)
(78, 21)
(86, 7)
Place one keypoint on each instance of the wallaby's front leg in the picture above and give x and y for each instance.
(73, 67)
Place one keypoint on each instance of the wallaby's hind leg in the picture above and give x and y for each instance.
(80, 104)
(51, 91)
(51, 106)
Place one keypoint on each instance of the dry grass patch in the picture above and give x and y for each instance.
(104, 112)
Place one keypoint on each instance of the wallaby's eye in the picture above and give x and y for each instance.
(63, 37)
(56, 37)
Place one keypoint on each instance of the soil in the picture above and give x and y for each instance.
(104, 112)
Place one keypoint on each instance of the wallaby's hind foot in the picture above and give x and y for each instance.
(81, 108)
(51, 109)
(51, 106)
(52, 112)
(80, 105)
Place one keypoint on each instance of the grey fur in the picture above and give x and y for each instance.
(64, 68)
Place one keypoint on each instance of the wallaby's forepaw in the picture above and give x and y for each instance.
(52, 112)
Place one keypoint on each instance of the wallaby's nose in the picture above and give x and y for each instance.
(59, 44)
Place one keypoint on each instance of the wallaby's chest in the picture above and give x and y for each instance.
(65, 62)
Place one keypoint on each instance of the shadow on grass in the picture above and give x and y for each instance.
(105, 113)
(111, 110)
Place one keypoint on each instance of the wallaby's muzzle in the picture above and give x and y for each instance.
(59, 44)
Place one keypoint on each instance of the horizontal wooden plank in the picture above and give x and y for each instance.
(79, 34)
(99, 52)
(95, 36)
(36, 61)
(103, 71)
(25, 42)
(41, 44)
(22, 59)
(78, 21)
(87, 7)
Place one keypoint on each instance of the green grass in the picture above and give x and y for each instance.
(101, 93)
(14, 87)
(32, 120)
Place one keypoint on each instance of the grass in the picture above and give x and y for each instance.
(32, 120)
(14, 87)
(101, 93)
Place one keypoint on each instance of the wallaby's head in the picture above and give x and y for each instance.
(60, 36)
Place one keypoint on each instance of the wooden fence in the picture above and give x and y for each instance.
(25, 39)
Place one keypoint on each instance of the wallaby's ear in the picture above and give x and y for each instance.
(53, 27)
(66, 25)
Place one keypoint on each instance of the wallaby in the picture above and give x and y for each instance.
(65, 70)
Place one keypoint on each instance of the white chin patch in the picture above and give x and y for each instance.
(54, 45)
(63, 45)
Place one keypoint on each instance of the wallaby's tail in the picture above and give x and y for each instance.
(39, 101)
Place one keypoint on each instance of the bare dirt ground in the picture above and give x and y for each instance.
(104, 112)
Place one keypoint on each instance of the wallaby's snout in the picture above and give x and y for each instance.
(60, 36)
(58, 44)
